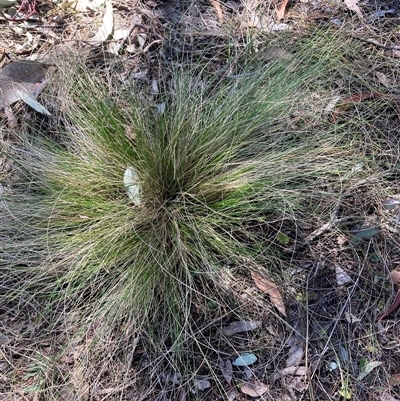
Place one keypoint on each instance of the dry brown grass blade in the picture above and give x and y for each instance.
(218, 9)
(270, 288)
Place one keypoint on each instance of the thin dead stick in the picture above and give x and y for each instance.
(321, 230)
(376, 43)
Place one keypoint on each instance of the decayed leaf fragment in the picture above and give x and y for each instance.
(84, 5)
(270, 288)
(353, 6)
(254, 390)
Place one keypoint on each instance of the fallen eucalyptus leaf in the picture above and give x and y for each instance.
(239, 327)
(351, 318)
(270, 288)
(132, 185)
(254, 390)
(29, 100)
(280, 12)
(394, 379)
(106, 28)
(368, 368)
(245, 360)
(84, 5)
(291, 370)
(248, 373)
(391, 203)
(382, 78)
(382, 13)
(294, 370)
(385, 396)
(21, 78)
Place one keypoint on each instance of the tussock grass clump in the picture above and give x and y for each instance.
(225, 156)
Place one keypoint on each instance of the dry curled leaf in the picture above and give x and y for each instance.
(254, 390)
(270, 288)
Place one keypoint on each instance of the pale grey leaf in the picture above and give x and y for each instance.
(239, 327)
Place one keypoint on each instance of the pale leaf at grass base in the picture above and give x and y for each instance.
(270, 288)
(30, 101)
(132, 185)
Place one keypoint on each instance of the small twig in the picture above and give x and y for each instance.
(29, 8)
(321, 230)
(376, 43)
